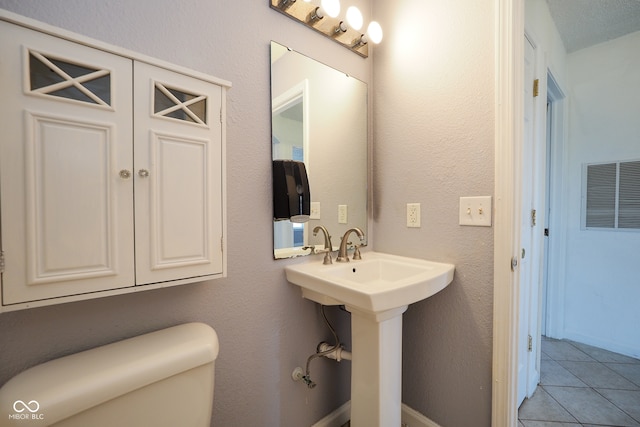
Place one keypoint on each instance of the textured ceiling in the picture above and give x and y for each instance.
(583, 23)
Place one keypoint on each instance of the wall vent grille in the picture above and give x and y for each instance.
(612, 195)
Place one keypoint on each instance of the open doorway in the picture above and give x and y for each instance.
(580, 316)
(555, 217)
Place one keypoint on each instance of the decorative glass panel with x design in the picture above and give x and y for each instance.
(177, 104)
(55, 77)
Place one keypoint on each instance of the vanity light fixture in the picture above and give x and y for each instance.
(285, 4)
(327, 7)
(374, 34)
(316, 15)
(324, 16)
(340, 28)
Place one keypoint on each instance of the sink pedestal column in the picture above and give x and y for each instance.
(376, 367)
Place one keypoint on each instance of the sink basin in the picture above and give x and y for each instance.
(377, 283)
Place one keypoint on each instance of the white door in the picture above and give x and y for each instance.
(178, 176)
(530, 261)
(67, 225)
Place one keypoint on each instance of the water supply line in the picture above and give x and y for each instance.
(324, 349)
(337, 354)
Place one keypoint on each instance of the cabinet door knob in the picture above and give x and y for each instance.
(125, 174)
(143, 173)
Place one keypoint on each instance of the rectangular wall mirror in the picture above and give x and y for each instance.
(319, 116)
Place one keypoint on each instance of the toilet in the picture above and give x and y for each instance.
(163, 378)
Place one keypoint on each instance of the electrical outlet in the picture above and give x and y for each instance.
(413, 215)
(342, 214)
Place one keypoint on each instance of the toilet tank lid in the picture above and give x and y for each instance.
(75, 383)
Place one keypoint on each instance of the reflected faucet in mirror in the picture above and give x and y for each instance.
(328, 247)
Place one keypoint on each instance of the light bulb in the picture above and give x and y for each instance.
(331, 7)
(374, 32)
(354, 18)
(340, 28)
(317, 15)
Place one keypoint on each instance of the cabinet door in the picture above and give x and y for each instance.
(178, 183)
(66, 209)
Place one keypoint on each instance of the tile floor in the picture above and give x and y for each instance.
(585, 386)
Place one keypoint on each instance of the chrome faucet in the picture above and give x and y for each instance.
(342, 253)
(327, 244)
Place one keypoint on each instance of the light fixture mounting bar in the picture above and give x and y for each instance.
(302, 12)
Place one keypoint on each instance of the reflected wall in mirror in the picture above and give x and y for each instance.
(319, 116)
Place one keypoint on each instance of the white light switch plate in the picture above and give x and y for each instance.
(475, 211)
(315, 210)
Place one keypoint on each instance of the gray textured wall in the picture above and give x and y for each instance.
(433, 142)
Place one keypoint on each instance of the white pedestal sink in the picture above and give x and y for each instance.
(376, 290)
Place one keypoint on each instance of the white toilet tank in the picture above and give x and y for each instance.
(164, 378)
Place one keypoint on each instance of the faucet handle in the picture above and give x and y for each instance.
(356, 252)
(327, 256)
(313, 249)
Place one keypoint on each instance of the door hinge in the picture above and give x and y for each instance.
(1, 261)
(221, 115)
(533, 217)
(514, 263)
(536, 89)
(222, 244)
(530, 343)
(546, 232)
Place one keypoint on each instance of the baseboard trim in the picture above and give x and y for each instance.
(413, 418)
(410, 418)
(337, 418)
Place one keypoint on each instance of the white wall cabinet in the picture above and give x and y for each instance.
(112, 173)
